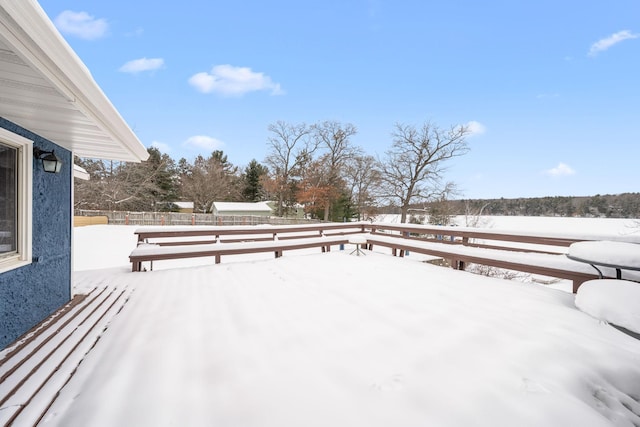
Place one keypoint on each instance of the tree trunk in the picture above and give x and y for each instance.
(403, 213)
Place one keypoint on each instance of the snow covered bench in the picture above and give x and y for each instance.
(153, 252)
(163, 243)
(40, 363)
(197, 235)
(554, 265)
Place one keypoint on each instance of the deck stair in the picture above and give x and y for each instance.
(37, 366)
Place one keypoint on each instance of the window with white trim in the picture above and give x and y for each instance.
(15, 200)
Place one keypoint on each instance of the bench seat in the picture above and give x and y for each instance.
(152, 252)
(554, 265)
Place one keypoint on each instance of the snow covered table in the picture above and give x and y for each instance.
(618, 255)
(612, 301)
(358, 240)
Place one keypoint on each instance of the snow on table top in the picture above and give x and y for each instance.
(358, 239)
(623, 254)
(611, 300)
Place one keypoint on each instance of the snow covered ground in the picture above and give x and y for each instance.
(314, 339)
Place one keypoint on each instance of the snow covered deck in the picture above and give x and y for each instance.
(34, 369)
(372, 341)
(332, 339)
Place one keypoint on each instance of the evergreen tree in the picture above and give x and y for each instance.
(252, 190)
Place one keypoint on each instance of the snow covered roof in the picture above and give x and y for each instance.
(241, 206)
(48, 90)
(184, 205)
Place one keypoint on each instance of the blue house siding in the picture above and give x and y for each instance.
(29, 294)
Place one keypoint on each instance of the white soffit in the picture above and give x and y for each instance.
(45, 88)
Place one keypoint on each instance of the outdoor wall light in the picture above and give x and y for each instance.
(50, 162)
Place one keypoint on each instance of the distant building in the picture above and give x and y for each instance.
(184, 207)
(295, 211)
(241, 209)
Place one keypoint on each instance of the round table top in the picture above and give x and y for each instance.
(357, 240)
(622, 255)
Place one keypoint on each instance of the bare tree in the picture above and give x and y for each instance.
(290, 148)
(475, 219)
(413, 167)
(209, 180)
(127, 186)
(440, 209)
(314, 190)
(89, 194)
(362, 177)
(334, 137)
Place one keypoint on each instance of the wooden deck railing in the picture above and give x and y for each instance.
(477, 237)
(520, 251)
(163, 243)
(213, 234)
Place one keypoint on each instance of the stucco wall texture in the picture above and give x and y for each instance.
(30, 293)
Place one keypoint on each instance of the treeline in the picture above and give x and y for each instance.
(316, 167)
(626, 205)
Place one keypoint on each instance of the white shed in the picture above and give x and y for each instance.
(241, 209)
(184, 207)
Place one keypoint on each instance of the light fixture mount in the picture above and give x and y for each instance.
(50, 162)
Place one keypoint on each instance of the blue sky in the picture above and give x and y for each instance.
(551, 88)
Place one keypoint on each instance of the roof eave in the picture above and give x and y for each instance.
(38, 42)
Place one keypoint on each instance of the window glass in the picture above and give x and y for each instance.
(8, 200)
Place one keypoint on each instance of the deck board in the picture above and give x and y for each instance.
(38, 365)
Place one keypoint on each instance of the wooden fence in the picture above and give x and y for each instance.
(81, 221)
(179, 218)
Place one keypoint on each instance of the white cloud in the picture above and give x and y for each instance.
(81, 24)
(203, 142)
(143, 64)
(161, 146)
(228, 80)
(561, 170)
(607, 42)
(476, 128)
